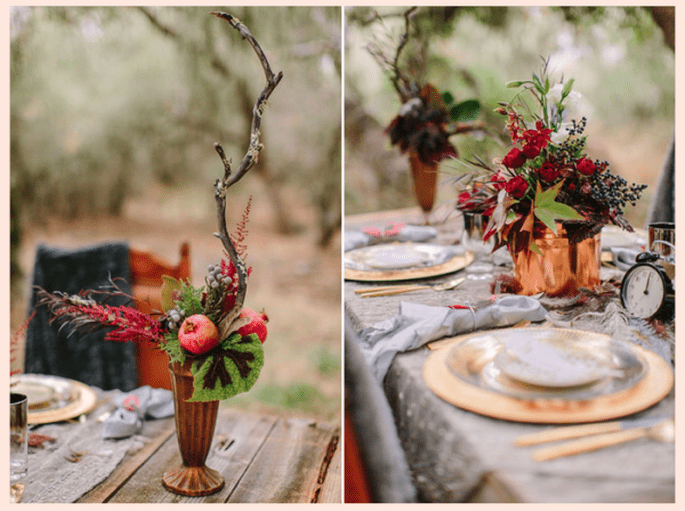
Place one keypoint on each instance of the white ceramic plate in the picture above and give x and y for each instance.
(538, 358)
(546, 363)
(397, 256)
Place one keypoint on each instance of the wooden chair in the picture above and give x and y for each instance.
(146, 285)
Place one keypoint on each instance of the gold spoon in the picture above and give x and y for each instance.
(662, 432)
(406, 288)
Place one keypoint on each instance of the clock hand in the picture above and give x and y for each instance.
(649, 277)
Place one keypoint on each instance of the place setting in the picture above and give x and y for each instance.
(547, 375)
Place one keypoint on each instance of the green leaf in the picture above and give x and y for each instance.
(513, 85)
(190, 300)
(465, 111)
(547, 210)
(169, 285)
(173, 348)
(546, 85)
(538, 84)
(533, 247)
(230, 370)
(543, 199)
(563, 212)
(547, 218)
(447, 98)
(567, 89)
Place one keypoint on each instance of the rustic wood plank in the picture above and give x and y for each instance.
(331, 487)
(159, 431)
(286, 468)
(238, 437)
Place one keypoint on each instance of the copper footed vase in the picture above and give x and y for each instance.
(425, 177)
(195, 422)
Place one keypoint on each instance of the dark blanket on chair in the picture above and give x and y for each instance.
(88, 358)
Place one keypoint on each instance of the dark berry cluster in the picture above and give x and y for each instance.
(573, 146)
(614, 191)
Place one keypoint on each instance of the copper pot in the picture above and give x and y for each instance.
(562, 269)
(195, 422)
(425, 177)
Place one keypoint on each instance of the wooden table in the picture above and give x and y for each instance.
(459, 456)
(262, 458)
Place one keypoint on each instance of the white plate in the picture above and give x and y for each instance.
(541, 359)
(397, 256)
(400, 257)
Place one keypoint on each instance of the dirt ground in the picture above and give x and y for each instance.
(293, 280)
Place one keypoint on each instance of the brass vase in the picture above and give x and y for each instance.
(195, 422)
(562, 269)
(425, 176)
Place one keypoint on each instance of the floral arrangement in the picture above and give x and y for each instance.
(427, 117)
(546, 176)
(208, 325)
(197, 323)
(423, 124)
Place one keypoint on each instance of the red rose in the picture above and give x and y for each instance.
(463, 197)
(548, 172)
(517, 187)
(514, 159)
(585, 167)
(498, 181)
(536, 140)
(532, 150)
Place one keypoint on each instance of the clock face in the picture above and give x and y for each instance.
(643, 291)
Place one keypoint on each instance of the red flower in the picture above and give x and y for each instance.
(548, 172)
(514, 159)
(536, 140)
(464, 197)
(498, 181)
(585, 167)
(517, 187)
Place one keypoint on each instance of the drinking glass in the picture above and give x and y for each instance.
(18, 437)
(472, 239)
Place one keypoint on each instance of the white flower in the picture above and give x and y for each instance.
(554, 94)
(559, 137)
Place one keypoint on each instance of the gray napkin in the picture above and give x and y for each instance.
(624, 258)
(144, 402)
(417, 324)
(416, 233)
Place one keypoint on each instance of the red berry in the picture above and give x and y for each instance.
(257, 324)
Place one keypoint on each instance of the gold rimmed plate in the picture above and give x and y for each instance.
(53, 398)
(596, 378)
(403, 261)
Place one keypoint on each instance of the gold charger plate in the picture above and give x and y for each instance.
(53, 398)
(647, 380)
(422, 268)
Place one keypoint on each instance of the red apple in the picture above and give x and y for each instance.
(198, 334)
(257, 324)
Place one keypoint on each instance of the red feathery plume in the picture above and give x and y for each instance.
(238, 238)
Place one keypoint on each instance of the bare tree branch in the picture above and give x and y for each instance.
(250, 158)
(404, 90)
(272, 81)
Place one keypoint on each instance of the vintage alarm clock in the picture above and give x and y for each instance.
(647, 290)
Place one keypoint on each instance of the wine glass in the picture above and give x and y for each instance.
(472, 239)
